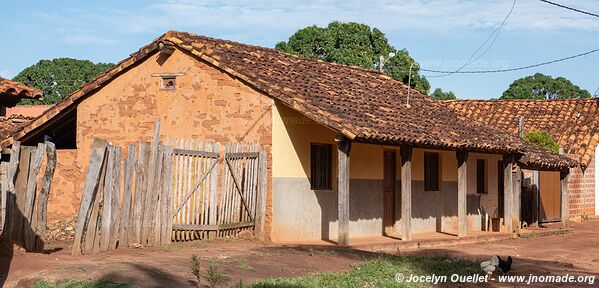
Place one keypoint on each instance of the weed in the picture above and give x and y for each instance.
(213, 276)
(195, 268)
(172, 246)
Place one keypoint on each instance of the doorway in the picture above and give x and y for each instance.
(550, 196)
(389, 185)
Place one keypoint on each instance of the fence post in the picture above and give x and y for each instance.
(42, 203)
(262, 191)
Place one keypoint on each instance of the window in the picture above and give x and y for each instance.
(481, 176)
(321, 166)
(431, 171)
(169, 83)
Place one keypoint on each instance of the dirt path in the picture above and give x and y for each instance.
(576, 253)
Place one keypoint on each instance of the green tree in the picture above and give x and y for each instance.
(59, 77)
(357, 45)
(541, 87)
(438, 94)
(542, 139)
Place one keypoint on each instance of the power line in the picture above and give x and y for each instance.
(513, 69)
(570, 8)
(495, 33)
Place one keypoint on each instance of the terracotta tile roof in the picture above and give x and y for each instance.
(364, 105)
(11, 92)
(573, 123)
(11, 124)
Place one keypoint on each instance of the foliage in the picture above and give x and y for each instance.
(214, 276)
(357, 45)
(59, 77)
(438, 94)
(541, 87)
(81, 284)
(542, 139)
(195, 268)
(381, 272)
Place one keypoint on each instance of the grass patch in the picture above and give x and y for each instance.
(81, 284)
(380, 272)
(243, 264)
(172, 246)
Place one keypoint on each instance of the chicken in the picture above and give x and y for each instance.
(489, 266)
(505, 266)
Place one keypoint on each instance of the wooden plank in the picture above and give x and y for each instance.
(565, 211)
(262, 193)
(21, 194)
(190, 152)
(516, 202)
(92, 235)
(149, 212)
(462, 157)
(343, 152)
(141, 169)
(30, 222)
(13, 165)
(236, 155)
(128, 175)
(116, 200)
(3, 194)
(406, 192)
(91, 182)
(196, 186)
(42, 202)
(213, 210)
(166, 220)
(194, 227)
(508, 193)
(107, 202)
(535, 199)
(154, 233)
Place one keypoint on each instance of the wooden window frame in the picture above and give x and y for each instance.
(482, 186)
(429, 175)
(321, 176)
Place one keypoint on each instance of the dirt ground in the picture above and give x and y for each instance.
(576, 253)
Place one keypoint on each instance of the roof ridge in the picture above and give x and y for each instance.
(592, 99)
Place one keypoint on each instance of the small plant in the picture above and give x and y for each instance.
(239, 284)
(195, 268)
(215, 277)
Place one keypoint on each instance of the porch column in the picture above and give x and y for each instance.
(343, 149)
(564, 176)
(535, 198)
(516, 204)
(406, 192)
(508, 192)
(462, 156)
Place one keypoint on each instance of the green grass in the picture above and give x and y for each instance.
(172, 246)
(380, 272)
(81, 284)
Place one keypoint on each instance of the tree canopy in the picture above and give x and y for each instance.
(542, 139)
(59, 77)
(439, 94)
(543, 87)
(357, 45)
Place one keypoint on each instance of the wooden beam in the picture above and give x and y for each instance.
(535, 198)
(462, 157)
(261, 198)
(406, 192)
(564, 177)
(516, 203)
(343, 151)
(508, 194)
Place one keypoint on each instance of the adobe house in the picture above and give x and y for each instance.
(573, 124)
(352, 152)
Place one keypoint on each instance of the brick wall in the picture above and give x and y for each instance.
(582, 190)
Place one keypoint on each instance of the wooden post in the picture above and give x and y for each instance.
(20, 212)
(343, 151)
(214, 192)
(91, 182)
(462, 156)
(11, 192)
(516, 203)
(535, 198)
(508, 194)
(149, 206)
(4, 191)
(564, 177)
(107, 204)
(166, 218)
(406, 192)
(261, 198)
(116, 199)
(128, 175)
(42, 202)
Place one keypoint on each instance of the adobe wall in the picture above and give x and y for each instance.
(207, 105)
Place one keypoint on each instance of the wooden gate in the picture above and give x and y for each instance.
(215, 193)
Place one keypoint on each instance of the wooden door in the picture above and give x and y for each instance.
(549, 196)
(389, 182)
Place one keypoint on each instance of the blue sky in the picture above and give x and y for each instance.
(438, 34)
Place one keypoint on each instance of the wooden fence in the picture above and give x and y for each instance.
(23, 204)
(171, 190)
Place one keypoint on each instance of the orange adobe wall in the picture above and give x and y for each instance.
(207, 105)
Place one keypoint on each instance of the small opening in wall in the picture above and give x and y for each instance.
(169, 83)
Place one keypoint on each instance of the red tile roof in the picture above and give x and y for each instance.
(11, 92)
(573, 123)
(362, 104)
(11, 124)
